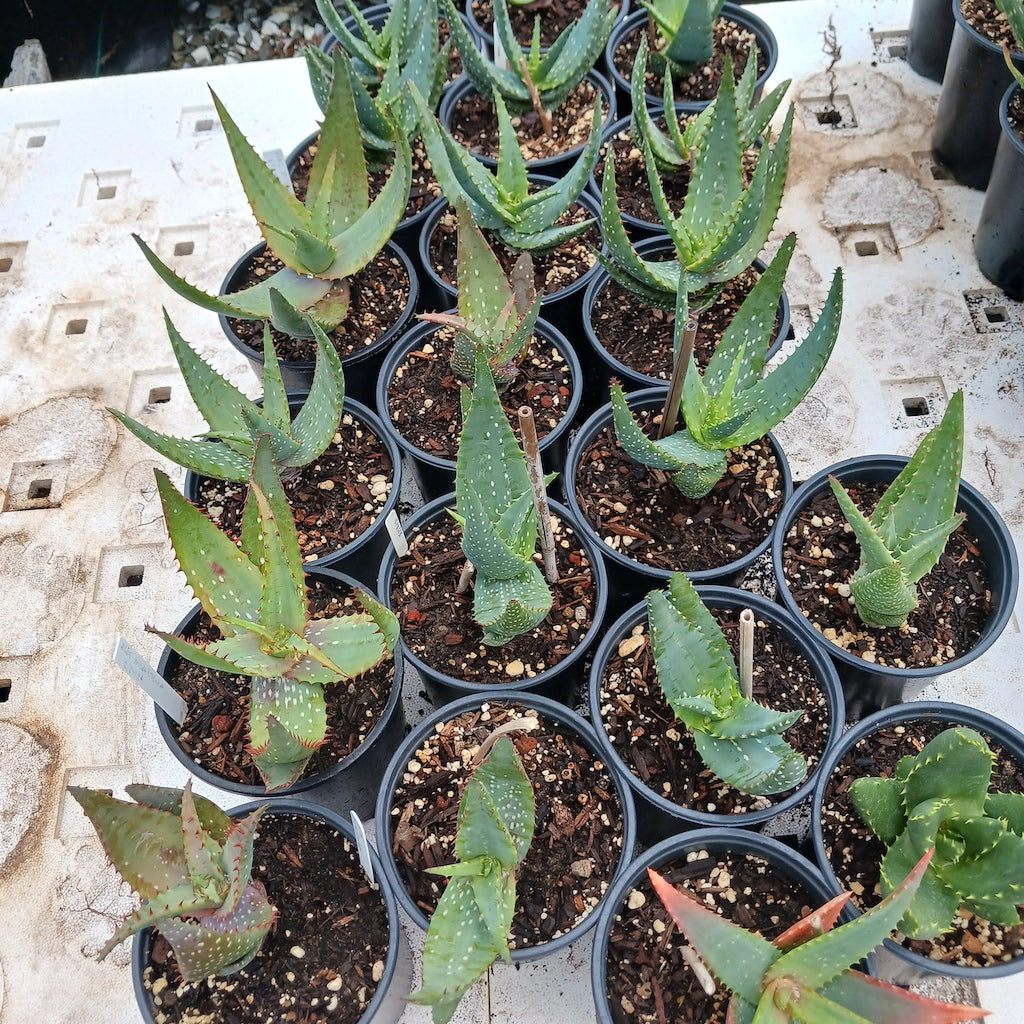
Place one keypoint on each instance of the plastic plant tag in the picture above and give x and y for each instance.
(397, 534)
(274, 159)
(363, 847)
(138, 669)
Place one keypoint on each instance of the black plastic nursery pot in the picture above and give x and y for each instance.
(636, 969)
(999, 240)
(559, 681)
(377, 911)
(928, 38)
(870, 686)
(966, 131)
(658, 815)
(629, 578)
(434, 474)
(349, 784)
(361, 365)
(892, 732)
(438, 742)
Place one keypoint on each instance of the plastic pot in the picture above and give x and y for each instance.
(931, 29)
(558, 682)
(999, 240)
(389, 1001)
(659, 816)
(869, 687)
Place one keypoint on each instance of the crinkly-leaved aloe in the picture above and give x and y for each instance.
(469, 929)
(907, 531)
(192, 866)
(255, 594)
(804, 976)
(738, 739)
(941, 798)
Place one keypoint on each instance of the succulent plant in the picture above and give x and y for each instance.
(738, 739)
(469, 929)
(731, 404)
(907, 531)
(255, 594)
(804, 976)
(495, 508)
(941, 798)
(238, 422)
(322, 242)
(685, 30)
(496, 314)
(1013, 11)
(192, 866)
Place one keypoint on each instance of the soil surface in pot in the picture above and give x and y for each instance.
(639, 512)
(578, 833)
(437, 622)
(334, 499)
(215, 733)
(855, 853)
(660, 750)
(325, 908)
(555, 16)
(1015, 114)
(987, 20)
(702, 83)
(648, 982)
(424, 395)
(821, 554)
(378, 296)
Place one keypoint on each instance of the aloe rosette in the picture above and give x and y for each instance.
(685, 29)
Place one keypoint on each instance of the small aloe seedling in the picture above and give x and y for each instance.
(685, 30)
(322, 242)
(731, 404)
(255, 594)
(237, 422)
(495, 314)
(907, 531)
(804, 976)
(495, 508)
(192, 866)
(469, 929)
(941, 798)
(738, 739)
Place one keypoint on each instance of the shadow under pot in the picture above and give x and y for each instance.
(929, 36)
(383, 298)
(642, 738)
(850, 854)
(419, 399)
(646, 529)
(637, 971)
(964, 602)
(365, 716)
(443, 642)
(340, 501)
(735, 30)
(306, 858)
(584, 826)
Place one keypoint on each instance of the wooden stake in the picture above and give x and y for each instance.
(747, 653)
(675, 384)
(464, 577)
(540, 498)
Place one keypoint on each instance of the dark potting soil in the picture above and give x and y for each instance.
(215, 733)
(425, 403)
(648, 982)
(378, 295)
(820, 556)
(986, 19)
(437, 623)
(855, 853)
(1015, 114)
(578, 835)
(334, 499)
(639, 512)
(660, 750)
(324, 955)
(555, 16)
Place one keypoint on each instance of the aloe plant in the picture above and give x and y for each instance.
(469, 929)
(255, 594)
(237, 422)
(731, 404)
(804, 976)
(685, 30)
(1013, 11)
(738, 739)
(322, 242)
(907, 531)
(192, 866)
(494, 507)
(941, 797)
(495, 314)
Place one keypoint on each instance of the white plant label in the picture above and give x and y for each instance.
(135, 666)
(274, 159)
(397, 534)
(362, 846)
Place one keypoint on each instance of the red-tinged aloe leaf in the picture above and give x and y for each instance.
(164, 798)
(882, 1003)
(202, 854)
(816, 923)
(238, 860)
